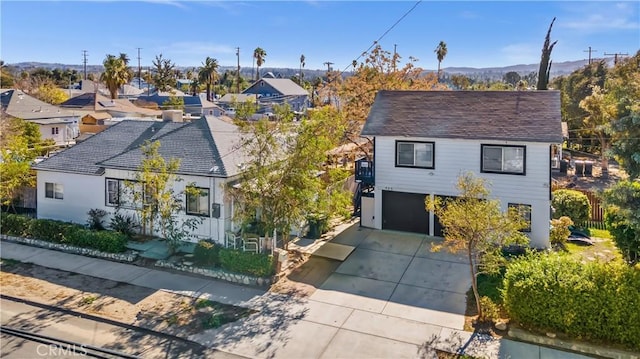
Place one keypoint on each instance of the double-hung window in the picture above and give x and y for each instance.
(198, 201)
(503, 159)
(119, 193)
(524, 211)
(414, 154)
(53, 190)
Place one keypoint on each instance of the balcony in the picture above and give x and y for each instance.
(364, 172)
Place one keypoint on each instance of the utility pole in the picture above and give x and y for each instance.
(84, 61)
(238, 73)
(394, 57)
(139, 69)
(615, 56)
(590, 51)
(328, 63)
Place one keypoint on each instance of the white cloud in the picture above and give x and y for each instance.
(520, 53)
(602, 17)
(175, 3)
(468, 15)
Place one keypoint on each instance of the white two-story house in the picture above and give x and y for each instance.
(98, 173)
(423, 140)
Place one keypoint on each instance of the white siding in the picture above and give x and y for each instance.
(453, 157)
(85, 192)
(81, 193)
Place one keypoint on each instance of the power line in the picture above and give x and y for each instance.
(616, 54)
(384, 34)
(84, 61)
(139, 69)
(590, 51)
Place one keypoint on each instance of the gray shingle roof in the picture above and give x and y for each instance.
(119, 147)
(17, 104)
(285, 86)
(490, 115)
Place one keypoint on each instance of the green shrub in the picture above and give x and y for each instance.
(14, 224)
(625, 236)
(96, 219)
(105, 241)
(50, 230)
(490, 310)
(123, 223)
(259, 265)
(572, 204)
(206, 254)
(595, 300)
(559, 232)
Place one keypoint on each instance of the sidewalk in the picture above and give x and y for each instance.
(290, 326)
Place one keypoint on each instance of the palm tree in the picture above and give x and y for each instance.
(195, 86)
(115, 74)
(208, 74)
(259, 54)
(302, 58)
(441, 53)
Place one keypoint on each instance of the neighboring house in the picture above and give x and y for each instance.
(57, 124)
(92, 174)
(272, 91)
(230, 100)
(423, 140)
(193, 105)
(95, 108)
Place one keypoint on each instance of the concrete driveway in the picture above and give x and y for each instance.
(397, 274)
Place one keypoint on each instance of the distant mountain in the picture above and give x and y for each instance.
(557, 69)
(487, 73)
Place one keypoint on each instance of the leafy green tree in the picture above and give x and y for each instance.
(174, 103)
(280, 179)
(441, 53)
(208, 74)
(622, 203)
(259, 56)
(474, 223)
(160, 204)
(164, 76)
(461, 82)
(20, 144)
(49, 93)
(601, 111)
(512, 78)
(623, 84)
(545, 60)
(115, 73)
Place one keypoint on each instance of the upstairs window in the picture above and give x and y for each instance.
(414, 154)
(198, 201)
(503, 159)
(53, 190)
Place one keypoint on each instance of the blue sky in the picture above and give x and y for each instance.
(478, 33)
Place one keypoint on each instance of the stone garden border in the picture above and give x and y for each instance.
(124, 257)
(218, 274)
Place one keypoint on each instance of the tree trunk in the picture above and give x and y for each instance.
(604, 161)
(474, 283)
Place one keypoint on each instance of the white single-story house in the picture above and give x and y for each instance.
(94, 173)
(423, 141)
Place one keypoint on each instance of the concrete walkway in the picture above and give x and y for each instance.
(293, 327)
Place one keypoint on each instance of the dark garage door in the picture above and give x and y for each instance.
(437, 226)
(404, 212)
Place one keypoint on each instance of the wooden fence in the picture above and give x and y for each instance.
(596, 217)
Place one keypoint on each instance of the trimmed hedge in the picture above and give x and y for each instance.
(259, 265)
(63, 233)
(595, 300)
(571, 203)
(207, 254)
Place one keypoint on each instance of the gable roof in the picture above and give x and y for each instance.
(16, 103)
(205, 147)
(285, 87)
(95, 102)
(532, 116)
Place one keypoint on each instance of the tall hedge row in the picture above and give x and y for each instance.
(595, 300)
(62, 232)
